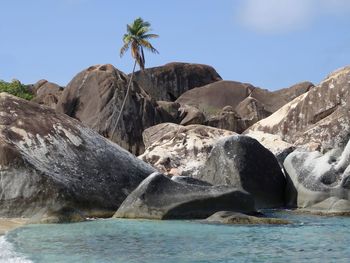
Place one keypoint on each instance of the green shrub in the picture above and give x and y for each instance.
(16, 88)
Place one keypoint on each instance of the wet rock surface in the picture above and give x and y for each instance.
(234, 218)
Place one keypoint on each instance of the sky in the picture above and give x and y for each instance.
(271, 44)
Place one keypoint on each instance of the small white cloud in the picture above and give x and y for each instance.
(279, 16)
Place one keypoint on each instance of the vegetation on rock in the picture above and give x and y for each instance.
(16, 88)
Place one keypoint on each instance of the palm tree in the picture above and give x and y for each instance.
(137, 39)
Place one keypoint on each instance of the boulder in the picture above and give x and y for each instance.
(168, 82)
(155, 133)
(249, 103)
(330, 206)
(95, 96)
(318, 119)
(189, 180)
(272, 142)
(180, 149)
(211, 98)
(252, 111)
(242, 162)
(47, 93)
(190, 115)
(314, 177)
(274, 100)
(227, 119)
(53, 167)
(234, 218)
(169, 111)
(159, 197)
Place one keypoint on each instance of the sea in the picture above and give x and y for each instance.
(309, 239)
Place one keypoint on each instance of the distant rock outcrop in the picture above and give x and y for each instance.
(249, 104)
(211, 98)
(168, 82)
(54, 168)
(97, 92)
(228, 119)
(318, 119)
(159, 197)
(47, 93)
(274, 100)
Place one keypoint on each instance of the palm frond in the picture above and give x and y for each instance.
(148, 36)
(124, 48)
(129, 29)
(142, 31)
(148, 46)
(127, 38)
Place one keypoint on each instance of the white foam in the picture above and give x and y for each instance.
(8, 254)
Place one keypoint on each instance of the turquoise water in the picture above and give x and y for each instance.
(308, 239)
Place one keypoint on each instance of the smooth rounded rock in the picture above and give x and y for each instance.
(159, 197)
(243, 162)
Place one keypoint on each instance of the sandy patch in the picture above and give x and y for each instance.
(7, 224)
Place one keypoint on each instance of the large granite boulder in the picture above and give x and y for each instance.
(219, 157)
(228, 119)
(252, 110)
(155, 133)
(272, 142)
(159, 197)
(212, 98)
(168, 82)
(274, 100)
(250, 103)
(95, 96)
(241, 161)
(190, 115)
(47, 93)
(169, 111)
(319, 181)
(318, 119)
(179, 150)
(54, 167)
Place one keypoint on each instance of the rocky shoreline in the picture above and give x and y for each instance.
(204, 146)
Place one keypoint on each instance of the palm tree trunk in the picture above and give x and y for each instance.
(123, 104)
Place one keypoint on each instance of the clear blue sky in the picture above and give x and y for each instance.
(269, 43)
